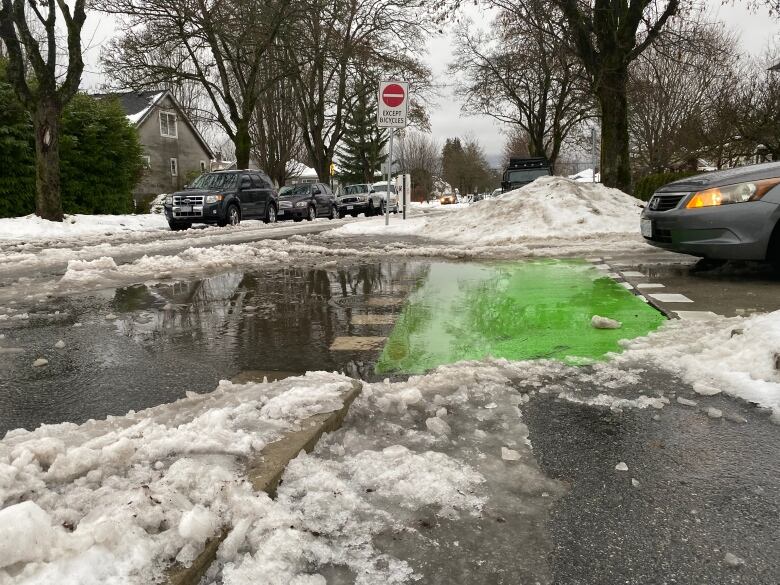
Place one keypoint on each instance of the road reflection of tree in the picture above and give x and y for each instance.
(271, 320)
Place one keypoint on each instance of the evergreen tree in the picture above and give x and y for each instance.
(361, 154)
(100, 156)
(17, 153)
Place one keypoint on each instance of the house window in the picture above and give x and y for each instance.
(174, 167)
(203, 166)
(147, 161)
(168, 125)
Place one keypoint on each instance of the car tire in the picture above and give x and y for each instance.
(270, 214)
(232, 216)
(312, 213)
(333, 212)
(177, 226)
(370, 211)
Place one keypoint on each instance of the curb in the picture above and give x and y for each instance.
(265, 472)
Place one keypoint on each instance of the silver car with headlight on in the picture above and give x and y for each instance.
(726, 215)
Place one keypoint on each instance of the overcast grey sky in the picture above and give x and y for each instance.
(756, 29)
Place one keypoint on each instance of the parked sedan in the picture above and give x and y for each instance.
(307, 201)
(727, 215)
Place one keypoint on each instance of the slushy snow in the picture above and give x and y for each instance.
(707, 355)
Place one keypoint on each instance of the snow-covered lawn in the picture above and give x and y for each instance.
(32, 227)
(548, 207)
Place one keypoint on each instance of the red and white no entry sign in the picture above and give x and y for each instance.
(393, 95)
(393, 104)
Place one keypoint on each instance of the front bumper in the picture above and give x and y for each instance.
(739, 231)
(352, 207)
(292, 213)
(206, 213)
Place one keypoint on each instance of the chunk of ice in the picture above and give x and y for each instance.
(40, 362)
(621, 467)
(510, 454)
(599, 322)
(438, 426)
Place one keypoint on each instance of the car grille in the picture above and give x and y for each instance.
(188, 199)
(285, 205)
(666, 201)
(195, 203)
(348, 200)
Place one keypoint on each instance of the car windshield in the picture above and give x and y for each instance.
(302, 189)
(356, 189)
(383, 188)
(526, 175)
(215, 181)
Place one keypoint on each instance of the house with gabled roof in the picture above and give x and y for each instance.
(174, 150)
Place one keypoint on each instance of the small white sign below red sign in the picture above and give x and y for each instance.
(393, 104)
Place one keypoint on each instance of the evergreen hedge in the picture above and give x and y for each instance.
(649, 184)
(100, 156)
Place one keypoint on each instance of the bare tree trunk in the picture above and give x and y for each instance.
(46, 122)
(615, 162)
(243, 143)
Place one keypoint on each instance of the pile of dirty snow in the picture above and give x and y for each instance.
(548, 207)
(737, 356)
(117, 500)
(32, 227)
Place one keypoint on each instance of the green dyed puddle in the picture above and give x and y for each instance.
(528, 310)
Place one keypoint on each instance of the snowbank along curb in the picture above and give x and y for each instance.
(265, 473)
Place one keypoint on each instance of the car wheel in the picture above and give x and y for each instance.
(179, 225)
(371, 211)
(270, 215)
(232, 217)
(333, 213)
(312, 213)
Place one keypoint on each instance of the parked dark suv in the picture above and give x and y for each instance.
(308, 201)
(223, 198)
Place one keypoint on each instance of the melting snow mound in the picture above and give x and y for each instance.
(550, 206)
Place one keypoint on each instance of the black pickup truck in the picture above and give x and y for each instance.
(522, 171)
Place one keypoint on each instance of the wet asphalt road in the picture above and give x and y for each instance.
(707, 487)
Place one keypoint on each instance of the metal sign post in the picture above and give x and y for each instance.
(389, 175)
(392, 112)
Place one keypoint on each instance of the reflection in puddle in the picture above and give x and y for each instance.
(281, 320)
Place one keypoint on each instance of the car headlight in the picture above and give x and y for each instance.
(739, 193)
(169, 200)
(363, 198)
(302, 204)
(213, 198)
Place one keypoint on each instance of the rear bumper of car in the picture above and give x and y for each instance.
(739, 231)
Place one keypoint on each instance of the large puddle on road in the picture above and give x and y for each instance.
(148, 344)
(527, 310)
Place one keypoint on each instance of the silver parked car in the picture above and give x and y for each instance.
(725, 215)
